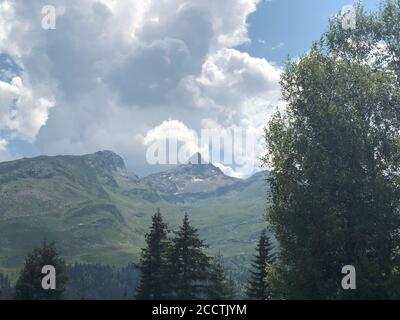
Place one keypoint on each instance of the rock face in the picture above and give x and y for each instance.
(196, 159)
(105, 161)
(188, 179)
(97, 211)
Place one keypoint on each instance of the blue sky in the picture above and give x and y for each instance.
(90, 85)
(282, 28)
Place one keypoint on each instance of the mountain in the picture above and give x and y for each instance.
(98, 212)
(189, 180)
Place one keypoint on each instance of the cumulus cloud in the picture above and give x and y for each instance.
(22, 112)
(176, 141)
(241, 92)
(4, 154)
(114, 71)
(3, 144)
(170, 129)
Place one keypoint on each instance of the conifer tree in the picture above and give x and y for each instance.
(153, 282)
(220, 287)
(189, 265)
(257, 288)
(29, 284)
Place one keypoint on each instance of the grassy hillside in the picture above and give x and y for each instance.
(97, 212)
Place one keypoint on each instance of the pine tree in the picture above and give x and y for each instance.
(29, 284)
(257, 288)
(153, 263)
(220, 287)
(189, 265)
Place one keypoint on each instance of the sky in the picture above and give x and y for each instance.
(123, 75)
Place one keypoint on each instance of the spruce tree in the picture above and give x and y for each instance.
(257, 288)
(189, 265)
(29, 283)
(153, 263)
(220, 287)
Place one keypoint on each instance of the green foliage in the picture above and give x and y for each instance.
(335, 157)
(220, 286)
(99, 282)
(153, 263)
(29, 284)
(180, 269)
(96, 216)
(258, 288)
(188, 264)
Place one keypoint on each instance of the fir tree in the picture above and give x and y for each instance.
(29, 284)
(153, 282)
(220, 287)
(189, 265)
(257, 288)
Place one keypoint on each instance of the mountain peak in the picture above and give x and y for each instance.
(196, 159)
(194, 177)
(107, 160)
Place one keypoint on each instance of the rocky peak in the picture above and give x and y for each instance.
(197, 167)
(196, 159)
(197, 170)
(196, 176)
(105, 161)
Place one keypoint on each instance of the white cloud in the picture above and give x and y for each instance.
(8, 93)
(22, 112)
(170, 129)
(240, 172)
(4, 154)
(187, 141)
(3, 145)
(115, 70)
(241, 92)
(230, 78)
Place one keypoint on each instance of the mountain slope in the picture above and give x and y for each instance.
(97, 211)
(189, 180)
(195, 177)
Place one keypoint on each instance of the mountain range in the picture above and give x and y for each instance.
(98, 212)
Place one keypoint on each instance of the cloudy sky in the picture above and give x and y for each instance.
(121, 74)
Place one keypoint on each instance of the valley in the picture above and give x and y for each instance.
(98, 212)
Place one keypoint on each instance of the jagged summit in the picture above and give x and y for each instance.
(196, 176)
(196, 159)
